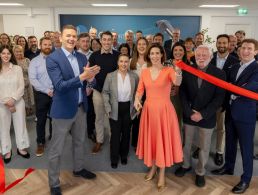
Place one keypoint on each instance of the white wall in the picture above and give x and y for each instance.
(16, 20)
(27, 21)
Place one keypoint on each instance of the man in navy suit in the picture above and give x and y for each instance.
(68, 111)
(240, 117)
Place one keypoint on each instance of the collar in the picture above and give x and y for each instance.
(102, 51)
(246, 64)
(225, 58)
(67, 53)
(86, 53)
(42, 55)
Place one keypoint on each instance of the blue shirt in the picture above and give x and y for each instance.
(38, 75)
(75, 66)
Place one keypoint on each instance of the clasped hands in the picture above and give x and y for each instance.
(10, 104)
(196, 116)
(89, 73)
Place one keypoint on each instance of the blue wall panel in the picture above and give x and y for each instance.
(189, 25)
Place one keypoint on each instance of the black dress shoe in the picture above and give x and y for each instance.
(195, 154)
(85, 174)
(240, 187)
(222, 171)
(7, 160)
(114, 165)
(256, 157)
(92, 137)
(27, 155)
(56, 191)
(200, 180)
(124, 161)
(218, 159)
(181, 171)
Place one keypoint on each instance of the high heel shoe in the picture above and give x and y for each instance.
(7, 160)
(161, 187)
(27, 155)
(148, 178)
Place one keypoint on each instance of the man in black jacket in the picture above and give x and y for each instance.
(200, 101)
(224, 61)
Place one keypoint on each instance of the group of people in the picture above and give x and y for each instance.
(134, 91)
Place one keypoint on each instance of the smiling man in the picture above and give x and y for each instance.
(240, 119)
(106, 58)
(224, 61)
(67, 71)
(200, 101)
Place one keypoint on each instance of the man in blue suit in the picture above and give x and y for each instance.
(240, 117)
(67, 71)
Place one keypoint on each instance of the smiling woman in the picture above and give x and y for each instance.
(12, 106)
(118, 95)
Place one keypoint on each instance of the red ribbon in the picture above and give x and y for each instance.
(218, 82)
(3, 189)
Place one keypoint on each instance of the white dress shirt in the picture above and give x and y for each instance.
(11, 84)
(124, 88)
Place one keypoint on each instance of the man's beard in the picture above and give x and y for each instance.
(222, 50)
(46, 51)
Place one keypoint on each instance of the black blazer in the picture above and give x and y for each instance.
(206, 99)
(243, 109)
(168, 43)
(229, 63)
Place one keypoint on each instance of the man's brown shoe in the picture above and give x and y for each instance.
(40, 150)
(96, 148)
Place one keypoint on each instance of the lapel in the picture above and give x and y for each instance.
(115, 83)
(66, 63)
(132, 81)
(80, 62)
(247, 71)
(194, 79)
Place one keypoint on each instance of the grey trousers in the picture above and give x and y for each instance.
(204, 144)
(61, 127)
(101, 121)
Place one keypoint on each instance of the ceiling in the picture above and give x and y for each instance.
(156, 4)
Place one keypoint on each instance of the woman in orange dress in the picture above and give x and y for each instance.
(159, 142)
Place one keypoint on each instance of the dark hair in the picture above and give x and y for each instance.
(44, 38)
(223, 35)
(9, 40)
(158, 35)
(178, 44)
(136, 54)
(68, 26)
(121, 55)
(162, 51)
(26, 43)
(106, 33)
(32, 37)
(12, 60)
(240, 32)
(199, 33)
(189, 39)
(253, 41)
(124, 45)
(97, 40)
(83, 35)
(138, 31)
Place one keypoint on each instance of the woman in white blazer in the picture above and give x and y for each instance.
(118, 94)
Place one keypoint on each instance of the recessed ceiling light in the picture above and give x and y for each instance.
(11, 4)
(219, 6)
(109, 4)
